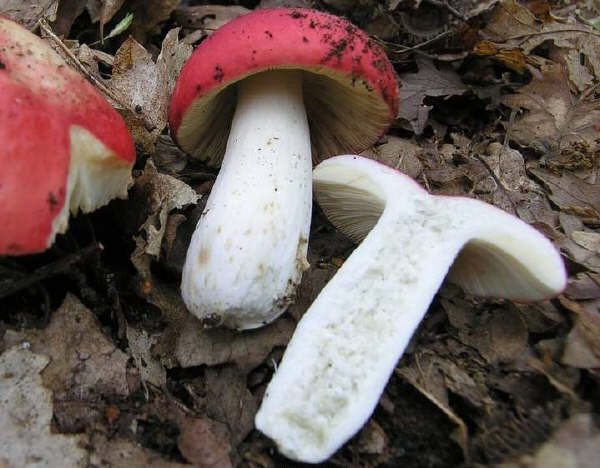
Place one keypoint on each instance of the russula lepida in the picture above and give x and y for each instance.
(64, 147)
(259, 96)
(348, 342)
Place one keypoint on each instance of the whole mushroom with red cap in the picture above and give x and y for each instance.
(65, 149)
(259, 97)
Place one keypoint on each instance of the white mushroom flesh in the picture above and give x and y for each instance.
(248, 252)
(349, 341)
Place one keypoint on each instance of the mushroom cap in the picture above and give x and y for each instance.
(65, 147)
(350, 87)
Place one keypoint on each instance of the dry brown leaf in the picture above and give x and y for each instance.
(169, 159)
(186, 343)
(513, 58)
(499, 335)
(575, 444)
(27, 439)
(229, 401)
(84, 364)
(372, 439)
(30, 12)
(584, 258)
(583, 286)
(508, 166)
(148, 14)
(103, 10)
(399, 153)
(204, 19)
(588, 240)
(577, 352)
(198, 346)
(571, 194)
(150, 368)
(146, 87)
(516, 33)
(583, 343)
(567, 35)
(541, 317)
(428, 81)
(510, 19)
(556, 121)
(158, 194)
(427, 378)
(68, 11)
(203, 442)
(109, 452)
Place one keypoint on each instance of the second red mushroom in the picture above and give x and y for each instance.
(259, 97)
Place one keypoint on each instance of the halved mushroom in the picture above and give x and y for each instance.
(348, 342)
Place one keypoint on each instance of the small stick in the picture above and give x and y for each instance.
(52, 269)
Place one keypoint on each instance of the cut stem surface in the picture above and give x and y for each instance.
(348, 342)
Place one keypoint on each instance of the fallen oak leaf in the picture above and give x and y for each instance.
(571, 194)
(556, 121)
(145, 86)
(428, 81)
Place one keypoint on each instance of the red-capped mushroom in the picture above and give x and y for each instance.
(302, 79)
(65, 147)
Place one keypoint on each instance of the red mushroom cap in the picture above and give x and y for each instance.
(350, 88)
(65, 147)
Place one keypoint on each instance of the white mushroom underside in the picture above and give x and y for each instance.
(348, 342)
(96, 176)
(248, 252)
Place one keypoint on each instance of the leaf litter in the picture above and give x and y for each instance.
(499, 101)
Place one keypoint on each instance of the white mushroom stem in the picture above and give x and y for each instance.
(348, 342)
(248, 252)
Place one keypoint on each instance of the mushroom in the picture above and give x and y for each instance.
(64, 147)
(350, 339)
(256, 97)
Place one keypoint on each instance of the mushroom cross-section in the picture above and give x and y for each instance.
(258, 97)
(348, 342)
(64, 147)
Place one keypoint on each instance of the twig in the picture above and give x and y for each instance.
(49, 270)
(546, 33)
(453, 11)
(403, 49)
